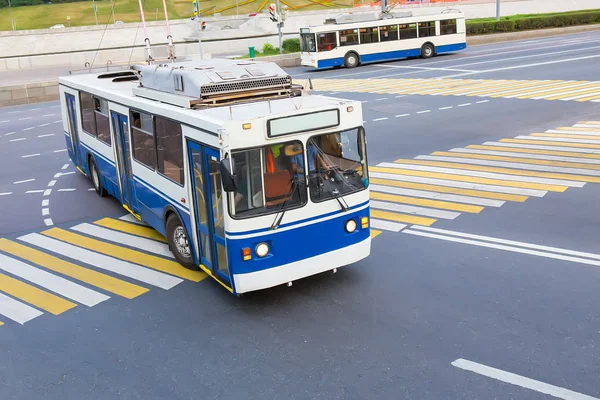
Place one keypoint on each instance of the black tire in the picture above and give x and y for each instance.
(179, 243)
(351, 60)
(96, 178)
(427, 51)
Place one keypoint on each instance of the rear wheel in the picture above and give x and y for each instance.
(427, 50)
(179, 242)
(351, 60)
(96, 181)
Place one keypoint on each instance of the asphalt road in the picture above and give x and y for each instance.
(389, 327)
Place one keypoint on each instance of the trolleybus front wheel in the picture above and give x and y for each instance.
(179, 242)
(95, 175)
(351, 60)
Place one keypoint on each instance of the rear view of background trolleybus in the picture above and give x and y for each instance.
(249, 178)
(353, 39)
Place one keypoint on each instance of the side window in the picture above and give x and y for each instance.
(426, 29)
(408, 31)
(102, 121)
(389, 33)
(369, 35)
(88, 119)
(327, 41)
(349, 37)
(169, 149)
(448, 27)
(142, 138)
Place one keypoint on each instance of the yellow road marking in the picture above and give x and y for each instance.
(133, 229)
(534, 86)
(596, 97)
(570, 93)
(574, 128)
(546, 143)
(543, 92)
(408, 219)
(589, 122)
(535, 151)
(567, 136)
(507, 90)
(1, 323)
(32, 295)
(464, 178)
(518, 160)
(123, 253)
(106, 282)
(451, 190)
(425, 202)
(509, 171)
(375, 233)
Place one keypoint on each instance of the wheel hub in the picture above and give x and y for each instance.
(181, 242)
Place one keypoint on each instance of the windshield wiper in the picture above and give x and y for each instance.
(279, 218)
(340, 200)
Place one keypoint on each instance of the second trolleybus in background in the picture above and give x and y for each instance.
(353, 39)
(249, 178)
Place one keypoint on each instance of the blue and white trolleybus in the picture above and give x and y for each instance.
(248, 177)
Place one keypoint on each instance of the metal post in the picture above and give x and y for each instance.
(237, 12)
(199, 38)
(95, 11)
(497, 10)
(12, 21)
(278, 10)
(383, 5)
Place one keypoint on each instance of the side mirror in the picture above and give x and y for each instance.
(228, 177)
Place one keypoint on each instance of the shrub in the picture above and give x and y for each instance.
(268, 48)
(291, 45)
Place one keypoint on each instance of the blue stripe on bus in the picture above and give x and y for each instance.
(390, 55)
(297, 244)
(233, 234)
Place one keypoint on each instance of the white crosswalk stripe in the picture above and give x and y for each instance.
(402, 208)
(436, 196)
(544, 147)
(527, 155)
(16, 310)
(387, 225)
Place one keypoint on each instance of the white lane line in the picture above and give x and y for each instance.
(437, 196)
(543, 147)
(28, 129)
(65, 166)
(9, 133)
(130, 218)
(102, 261)
(402, 115)
(464, 105)
(47, 192)
(30, 155)
(23, 181)
(48, 115)
(24, 118)
(57, 122)
(505, 164)
(14, 112)
(568, 132)
(46, 135)
(17, 140)
(400, 96)
(48, 222)
(60, 151)
(6, 193)
(365, 101)
(553, 139)
(67, 190)
(34, 191)
(4, 122)
(45, 202)
(42, 125)
(16, 310)
(383, 98)
(491, 175)
(519, 380)
(482, 101)
(387, 225)
(423, 112)
(55, 106)
(91, 189)
(379, 119)
(425, 68)
(52, 282)
(34, 109)
(461, 185)
(51, 183)
(445, 108)
(407, 209)
(509, 153)
(533, 246)
(136, 242)
(45, 212)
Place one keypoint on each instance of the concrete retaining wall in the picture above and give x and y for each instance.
(29, 93)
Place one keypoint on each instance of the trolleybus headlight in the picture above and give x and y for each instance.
(262, 250)
(350, 226)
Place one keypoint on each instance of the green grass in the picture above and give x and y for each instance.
(524, 16)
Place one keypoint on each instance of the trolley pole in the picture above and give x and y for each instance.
(383, 5)
(497, 10)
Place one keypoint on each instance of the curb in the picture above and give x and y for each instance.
(478, 40)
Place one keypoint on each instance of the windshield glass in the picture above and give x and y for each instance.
(307, 42)
(337, 164)
(270, 179)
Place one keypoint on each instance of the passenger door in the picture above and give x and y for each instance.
(73, 142)
(123, 149)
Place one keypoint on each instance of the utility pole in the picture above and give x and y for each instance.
(497, 10)
(383, 5)
(279, 23)
(12, 21)
(95, 11)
